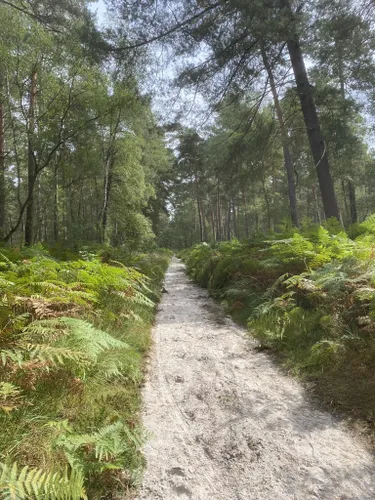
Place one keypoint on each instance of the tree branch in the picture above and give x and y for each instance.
(30, 14)
(174, 29)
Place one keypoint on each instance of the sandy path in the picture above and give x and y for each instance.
(226, 424)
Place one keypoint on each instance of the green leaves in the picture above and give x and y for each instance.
(104, 449)
(72, 335)
(26, 483)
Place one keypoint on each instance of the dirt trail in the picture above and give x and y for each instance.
(226, 424)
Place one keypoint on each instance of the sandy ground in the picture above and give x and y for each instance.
(226, 424)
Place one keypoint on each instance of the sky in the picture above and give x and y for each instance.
(191, 109)
(167, 103)
(98, 6)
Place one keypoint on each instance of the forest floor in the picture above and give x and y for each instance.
(225, 423)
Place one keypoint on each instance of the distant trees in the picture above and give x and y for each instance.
(74, 134)
(82, 158)
(251, 47)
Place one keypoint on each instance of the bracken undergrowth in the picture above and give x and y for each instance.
(309, 295)
(73, 334)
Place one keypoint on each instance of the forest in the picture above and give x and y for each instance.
(239, 135)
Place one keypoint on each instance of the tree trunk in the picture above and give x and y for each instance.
(351, 186)
(201, 237)
(107, 191)
(2, 164)
(316, 139)
(352, 202)
(288, 162)
(55, 207)
(218, 219)
(347, 213)
(256, 221)
(204, 225)
(268, 206)
(229, 229)
(213, 224)
(199, 208)
(31, 167)
(246, 216)
(317, 211)
(39, 212)
(235, 228)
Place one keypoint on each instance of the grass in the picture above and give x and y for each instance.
(73, 338)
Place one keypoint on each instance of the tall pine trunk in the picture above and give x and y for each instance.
(351, 185)
(200, 211)
(55, 206)
(235, 227)
(246, 216)
(107, 191)
(347, 213)
(229, 221)
(2, 164)
(268, 206)
(314, 133)
(204, 225)
(219, 235)
(200, 221)
(213, 224)
(288, 162)
(31, 167)
(352, 202)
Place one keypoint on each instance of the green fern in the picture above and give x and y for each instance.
(28, 483)
(72, 369)
(75, 343)
(109, 446)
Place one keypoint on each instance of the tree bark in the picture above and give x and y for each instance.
(246, 216)
(268, 206)
(218, 218)
(351, 186)
(229, 229)
(317, 211)
(107, 190)
(213, 224)
(39, 211)
(201, 238)
(288, 162)
(316, 139)
(352, 202)
(204, 225)
(2, 164)
(235, 228)
(347, 213)
(55, 207)
(31, 167)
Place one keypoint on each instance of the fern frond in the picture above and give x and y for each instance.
(17, 356)
(108, 444)
(55, 355)
(27, 483)
(135, 297)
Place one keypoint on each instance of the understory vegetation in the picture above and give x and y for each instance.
(310, 296)
(73, 336)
